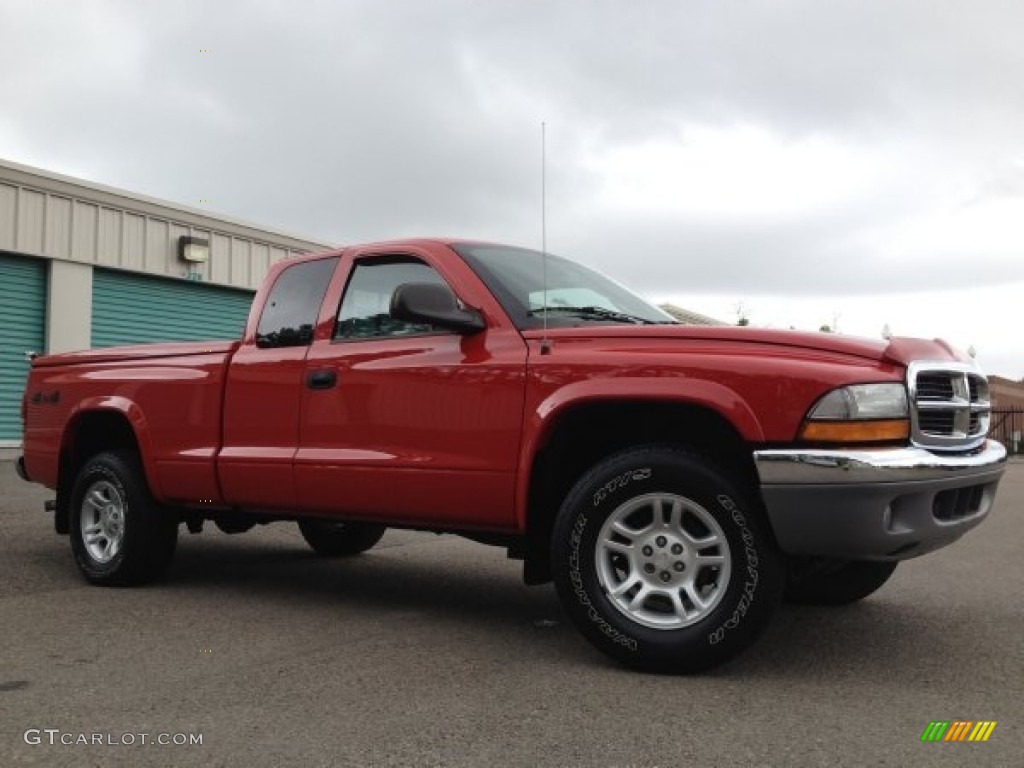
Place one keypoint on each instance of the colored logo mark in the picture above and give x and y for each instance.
(958, 730)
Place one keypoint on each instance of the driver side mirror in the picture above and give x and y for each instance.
(434, 304)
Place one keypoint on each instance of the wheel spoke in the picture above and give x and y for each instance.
(658, 513)
(626, 533)
(639, 598)
(709, 559)
(691, 592)
(92, 536)
(677, 604)
(625, 585)
(711, 540)
(618, 546)
(676, 516)
(95, 500)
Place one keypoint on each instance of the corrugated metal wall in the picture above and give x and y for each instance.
(43, 223)
(133, 309)
(22, 329)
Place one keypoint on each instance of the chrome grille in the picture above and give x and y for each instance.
(949, 405)
(934, 386)
(936, 422)
(975, 422)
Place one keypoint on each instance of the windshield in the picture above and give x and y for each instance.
(575, 294)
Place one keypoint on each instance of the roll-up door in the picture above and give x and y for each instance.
(23, 324)
(128, 308)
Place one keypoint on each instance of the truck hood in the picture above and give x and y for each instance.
(897, 350)
(137, 352)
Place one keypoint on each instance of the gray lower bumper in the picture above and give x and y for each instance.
(876, 504)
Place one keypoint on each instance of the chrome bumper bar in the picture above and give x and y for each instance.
(879, 465)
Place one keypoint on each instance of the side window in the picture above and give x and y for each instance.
(365, 307)
(289, 315)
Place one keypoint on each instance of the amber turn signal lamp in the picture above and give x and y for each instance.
(881, 431)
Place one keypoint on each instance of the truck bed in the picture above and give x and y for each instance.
(145, 383)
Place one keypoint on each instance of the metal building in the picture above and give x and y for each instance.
(84, 265)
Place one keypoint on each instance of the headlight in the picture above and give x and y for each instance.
(861, 413)
(863, 401)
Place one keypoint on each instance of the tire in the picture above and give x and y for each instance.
(835, 582)
(337, 539)
(715, 578)
(119, 535)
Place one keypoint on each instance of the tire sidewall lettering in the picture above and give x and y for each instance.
(580, 591)
(751, 574)
(619, 482)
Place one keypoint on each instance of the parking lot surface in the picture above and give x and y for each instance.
(429, 651)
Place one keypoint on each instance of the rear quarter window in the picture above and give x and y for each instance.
(293, 304)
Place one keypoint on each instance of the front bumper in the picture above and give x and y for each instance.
(876, 504)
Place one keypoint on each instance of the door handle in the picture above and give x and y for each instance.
(322, 379)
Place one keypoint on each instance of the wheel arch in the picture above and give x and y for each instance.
(111, 423)
(579, 434)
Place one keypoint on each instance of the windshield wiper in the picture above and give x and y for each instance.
(593, 313)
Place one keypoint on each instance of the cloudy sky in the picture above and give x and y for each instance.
(847, 162)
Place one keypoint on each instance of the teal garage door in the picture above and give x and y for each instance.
(132, 309)
(23, 319)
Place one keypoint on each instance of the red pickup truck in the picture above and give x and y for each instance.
(675, 482)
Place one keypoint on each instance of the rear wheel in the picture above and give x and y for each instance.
(340, 539)
(663, 563)
(120, 536)
(835, 582)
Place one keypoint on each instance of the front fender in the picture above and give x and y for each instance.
(541, 419)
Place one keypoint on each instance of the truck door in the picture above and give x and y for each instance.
(263, 394)
(411, 423)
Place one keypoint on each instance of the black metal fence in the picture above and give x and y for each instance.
(1007, 426)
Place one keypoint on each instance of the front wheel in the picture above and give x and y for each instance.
(663, 563)
(337, 539)
(120, 536)
(835, 582)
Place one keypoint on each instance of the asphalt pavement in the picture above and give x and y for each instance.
(429, 650)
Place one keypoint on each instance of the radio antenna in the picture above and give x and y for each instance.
(545, 344)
